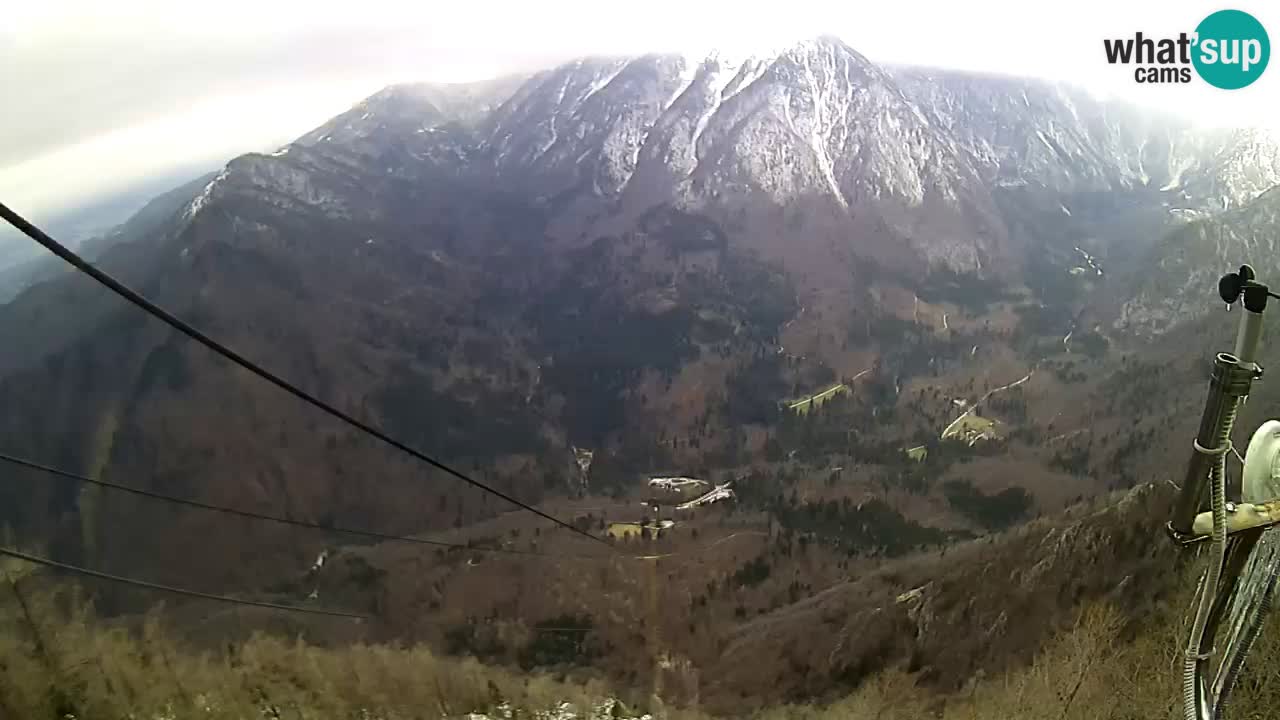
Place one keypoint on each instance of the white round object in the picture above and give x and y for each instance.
(1261, 480)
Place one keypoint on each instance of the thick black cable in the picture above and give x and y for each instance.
(169, 588)
(253, 515)
(115, 286)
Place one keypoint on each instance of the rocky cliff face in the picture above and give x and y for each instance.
(1181, 272)
(815, 121)
(915, 154)
(1024, 132)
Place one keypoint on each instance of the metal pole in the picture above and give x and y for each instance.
(1230, 381)
(1248, 335)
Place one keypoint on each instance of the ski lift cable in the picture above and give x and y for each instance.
(181, 326)
(259, 516)
(46, 562)
(372, 534)
(36, 560)
(53, 564)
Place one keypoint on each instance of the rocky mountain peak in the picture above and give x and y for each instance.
(905, 157)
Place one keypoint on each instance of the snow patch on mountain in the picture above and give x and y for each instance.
(919, 154)
(202, 199)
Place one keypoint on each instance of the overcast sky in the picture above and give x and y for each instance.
(103, 95)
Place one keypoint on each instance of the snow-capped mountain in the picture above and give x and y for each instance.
(817, 117)
(1232, 168)
(817, 120)
(811, 156)
(915, 154)
(1021, 132)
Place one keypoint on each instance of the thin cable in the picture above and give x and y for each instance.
(256, 516)
(1196, 703)
(168, 588)
(115, 286)
(222, 598)
(4, 457)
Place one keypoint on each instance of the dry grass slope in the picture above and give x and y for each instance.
(58, 664)
(1100, 669)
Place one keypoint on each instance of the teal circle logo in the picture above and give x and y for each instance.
(1232, 49)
